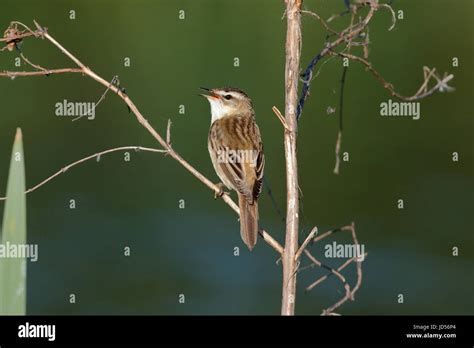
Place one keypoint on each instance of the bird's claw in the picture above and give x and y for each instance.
(221, 192)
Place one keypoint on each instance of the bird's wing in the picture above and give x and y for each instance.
(244, 170)
(259, 167)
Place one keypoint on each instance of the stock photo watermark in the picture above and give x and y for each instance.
(11, 251)
(75, 109)
(335, 250)
(400, 109)
(237, 156)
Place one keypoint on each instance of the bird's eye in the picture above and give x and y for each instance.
(228, 96)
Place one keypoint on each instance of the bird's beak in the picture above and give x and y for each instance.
(210, 94)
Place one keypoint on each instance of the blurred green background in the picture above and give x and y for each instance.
(190, 251)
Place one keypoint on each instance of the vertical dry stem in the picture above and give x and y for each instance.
(293, 47)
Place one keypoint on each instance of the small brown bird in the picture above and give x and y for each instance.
(236, 151)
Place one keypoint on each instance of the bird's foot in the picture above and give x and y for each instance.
(221, 192)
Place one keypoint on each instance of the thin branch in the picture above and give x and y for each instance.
(423, 92)
(8, 39)
(308, 239)
(351, 8)
(270, 241)
(27, 61)
(13, 74)
(276, 207)
(341, 115)
(358, 264)
(392, 12)
(168, 133)
(102, 97)
(27, 28)
(322, 21)
(337, 150)
(330, 232)
(280, 117)
(82, 160)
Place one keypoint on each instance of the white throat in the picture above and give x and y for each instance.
(218, 109)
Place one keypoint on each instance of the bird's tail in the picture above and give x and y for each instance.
(248, 221)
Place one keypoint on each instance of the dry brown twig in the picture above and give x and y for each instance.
(346, 37)
(168, 133)
(13, 74)
(321, 20)
(349, 292)
(423, 91)
(82, 160)
(337, 149)
(280, 117)
(308, 240)
(102, 97)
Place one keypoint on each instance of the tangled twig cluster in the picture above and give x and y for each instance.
(314, 262)
(357, 35)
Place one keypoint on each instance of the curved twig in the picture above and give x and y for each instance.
(82, 160)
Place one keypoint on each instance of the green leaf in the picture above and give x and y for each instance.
(13, 269)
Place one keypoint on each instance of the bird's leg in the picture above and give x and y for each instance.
(221, 191)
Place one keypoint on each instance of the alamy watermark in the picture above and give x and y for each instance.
(28, 330)
(10, 251)
(237, 156)
(403, 109)
(336, 250)
(75, 109)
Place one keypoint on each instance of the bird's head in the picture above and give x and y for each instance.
(228, 101)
